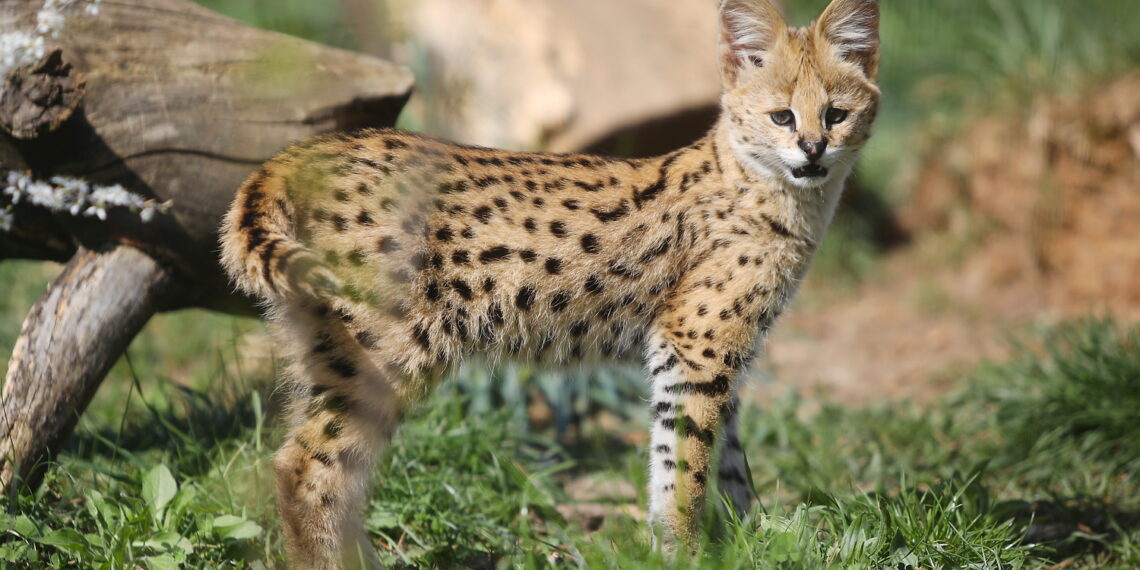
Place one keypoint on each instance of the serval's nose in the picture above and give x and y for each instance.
(813, 149)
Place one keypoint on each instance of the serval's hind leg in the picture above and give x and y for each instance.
(344, 411)
(732, 473)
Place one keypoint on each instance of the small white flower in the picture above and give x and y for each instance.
(6, 220)
(18, 48)
(98, 211)
(50, 21)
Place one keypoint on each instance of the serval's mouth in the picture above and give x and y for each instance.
(809, 171)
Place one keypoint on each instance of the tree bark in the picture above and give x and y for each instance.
(69, 340)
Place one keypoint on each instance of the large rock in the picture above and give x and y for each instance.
(628, 76)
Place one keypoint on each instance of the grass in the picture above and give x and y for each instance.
(1033, 463)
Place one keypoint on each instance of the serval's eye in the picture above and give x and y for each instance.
(835, 116)
(783, 118)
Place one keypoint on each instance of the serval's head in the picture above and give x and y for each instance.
(799, 102)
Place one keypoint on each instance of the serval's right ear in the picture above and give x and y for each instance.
(749, 29)
(852, 28)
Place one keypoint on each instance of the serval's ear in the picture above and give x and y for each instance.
(749, 29)
(852, 28)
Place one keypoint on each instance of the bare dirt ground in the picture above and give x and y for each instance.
(1015, 222)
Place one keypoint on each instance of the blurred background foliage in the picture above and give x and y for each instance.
(973, 479)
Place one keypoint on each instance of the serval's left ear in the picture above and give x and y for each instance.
(852, 28)
(749, 30)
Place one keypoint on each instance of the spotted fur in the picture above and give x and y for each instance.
(386, 257)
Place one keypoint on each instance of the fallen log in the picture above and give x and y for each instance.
(174, 103)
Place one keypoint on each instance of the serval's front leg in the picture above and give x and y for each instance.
(689, 396)
(344, 412)
(700, 342)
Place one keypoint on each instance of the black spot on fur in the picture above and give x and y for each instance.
(623, 270)
(332, 431)
(595, 187)
(553, 266)
(657, 251)
(579, 328)
(343, 366)
(687, 425)
(616, 213)
(558, 229)
(590, 243)
(460, 286)
(367, 340)
(432, 292)
(594, 284)
(607, 311)
(719, 386)
(421, 337)
(669, 364)
(495, 254)
(525, 298)
(356, 257)
(560, 301)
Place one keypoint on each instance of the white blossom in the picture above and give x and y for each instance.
(19, 47)
(49, 22)
(5, 220)
(67, 195)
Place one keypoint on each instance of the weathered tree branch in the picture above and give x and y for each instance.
(69, 340)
